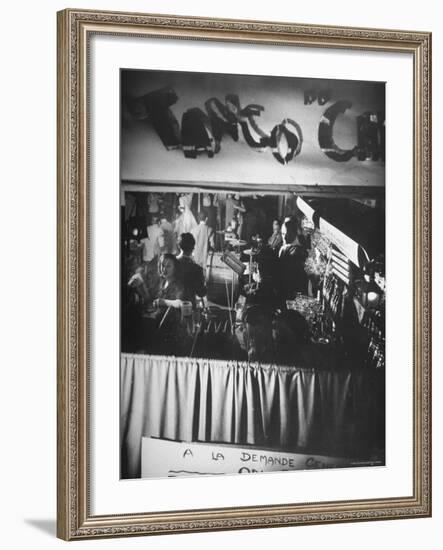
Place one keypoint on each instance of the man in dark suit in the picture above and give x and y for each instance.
(292, 256)
(191, 273)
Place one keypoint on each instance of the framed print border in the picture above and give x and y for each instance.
(75, 29)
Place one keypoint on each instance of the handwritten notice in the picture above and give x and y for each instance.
(164, 458)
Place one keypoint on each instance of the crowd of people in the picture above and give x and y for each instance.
(169, 284)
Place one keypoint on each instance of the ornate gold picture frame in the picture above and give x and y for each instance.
(76, 517)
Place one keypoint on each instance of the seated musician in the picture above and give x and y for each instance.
(192, 274)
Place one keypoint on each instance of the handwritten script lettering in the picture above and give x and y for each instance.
(202, 131)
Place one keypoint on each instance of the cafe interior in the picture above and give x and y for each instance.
(253, 301)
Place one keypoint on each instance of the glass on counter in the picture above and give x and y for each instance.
(186, 309)
(321, 328)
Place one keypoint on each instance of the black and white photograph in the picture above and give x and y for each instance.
(252, 273)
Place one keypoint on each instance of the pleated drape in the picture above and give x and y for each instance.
(292, 409)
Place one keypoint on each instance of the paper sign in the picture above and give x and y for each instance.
(353, 250)
(164, 458)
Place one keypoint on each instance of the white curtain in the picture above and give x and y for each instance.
(293, 409)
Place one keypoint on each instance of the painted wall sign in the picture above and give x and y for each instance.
(370, 132)
(202, 132)
(209, 127)
(164, 458)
